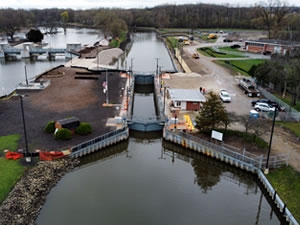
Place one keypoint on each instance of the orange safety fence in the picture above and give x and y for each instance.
(13, 155)
(49, 156)
(44, 156)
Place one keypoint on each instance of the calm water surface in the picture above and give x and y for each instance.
(13, 72)
(146, 183)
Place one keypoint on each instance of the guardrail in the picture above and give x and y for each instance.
(100, 142)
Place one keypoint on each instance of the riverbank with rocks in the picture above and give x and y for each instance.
(23, 204)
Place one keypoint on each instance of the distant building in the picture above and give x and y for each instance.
(270, 46)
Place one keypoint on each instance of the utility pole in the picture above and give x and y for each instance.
(26, 76)
(27, 156)
(270, 143)
(106, 87)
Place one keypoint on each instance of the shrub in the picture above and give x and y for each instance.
(50, 127)
(83, 129)
(63, 134)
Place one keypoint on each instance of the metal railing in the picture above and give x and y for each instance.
(276, 199)
(240, 156)
(100, 142)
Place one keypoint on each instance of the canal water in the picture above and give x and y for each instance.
(148, 181)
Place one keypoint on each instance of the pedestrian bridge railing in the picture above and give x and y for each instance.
(100, 142)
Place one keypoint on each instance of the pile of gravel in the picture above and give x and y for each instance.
(25, 201)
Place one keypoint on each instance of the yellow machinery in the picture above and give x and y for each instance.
(189, 122)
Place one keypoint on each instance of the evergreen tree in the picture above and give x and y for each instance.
(212, 114)
(35, 35)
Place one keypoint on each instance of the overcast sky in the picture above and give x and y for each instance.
(88, 4)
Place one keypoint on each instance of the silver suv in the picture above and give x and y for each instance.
(264, 107)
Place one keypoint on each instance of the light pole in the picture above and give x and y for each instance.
(270, 143)
(27, 156)
(26, 76)
(164, 100)
(98, 58)
(106, 87)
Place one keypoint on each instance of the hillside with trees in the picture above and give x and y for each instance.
(274, 16)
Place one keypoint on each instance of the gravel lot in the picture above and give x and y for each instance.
(65, 97)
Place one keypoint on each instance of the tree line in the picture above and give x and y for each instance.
(274, 16)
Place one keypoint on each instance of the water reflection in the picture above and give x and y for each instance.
(208, 171)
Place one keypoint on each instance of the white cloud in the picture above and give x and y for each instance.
(88, 4)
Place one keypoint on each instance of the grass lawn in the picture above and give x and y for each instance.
(288, 100)
(9, 142)
(172, 42)
(241, 66)
(286, 181)
(217, 54)
(10, 171)
(292, 126)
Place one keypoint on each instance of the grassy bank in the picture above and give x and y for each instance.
(221, 53)
(241, 66)
(293, 127)
(211, 52)
(10, 171)
(286, 182)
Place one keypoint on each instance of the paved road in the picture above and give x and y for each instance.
(215, 77)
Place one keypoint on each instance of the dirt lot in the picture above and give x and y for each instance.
(65, 97)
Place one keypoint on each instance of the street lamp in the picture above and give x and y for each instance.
(26, 76)
(270, 143)
(106, 87)
(27, 156)
(164, 100)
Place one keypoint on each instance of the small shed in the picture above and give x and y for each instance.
(186, 99)
(70, 123)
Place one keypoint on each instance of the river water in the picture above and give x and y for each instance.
(145, 180)
(14, 72)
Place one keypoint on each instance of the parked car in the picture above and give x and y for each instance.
(271, 103)
(224, 96)
(195, 55)
(264, 107)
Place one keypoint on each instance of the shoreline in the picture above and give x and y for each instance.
(31, 191)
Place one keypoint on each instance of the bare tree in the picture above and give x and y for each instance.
(271, 14)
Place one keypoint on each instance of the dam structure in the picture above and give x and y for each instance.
(145, 107)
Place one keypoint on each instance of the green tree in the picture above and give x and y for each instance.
(212, 114)
(110, 24)
(65, 19)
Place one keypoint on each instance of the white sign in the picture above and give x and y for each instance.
(217, 135)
